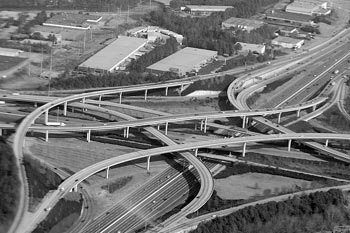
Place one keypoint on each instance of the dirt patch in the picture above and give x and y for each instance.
(248, 185)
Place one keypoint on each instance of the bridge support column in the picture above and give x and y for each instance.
(326, 145)
(244, 122)
(148, 162)
(127, 132)
(158, 127)
(298, 113)
(46, 136)
(182, 88)
(202, 123)
(313, 108)
(120, 97)
(46, 116)
(146, 91)
(289, 144)
(196, 152)
(35, 104)
(166, 128)
(88, 136)
(99, 99)
(0, 132)
(279, 118)
(72, 109)
(244, 149)
(65, 109)
(107, 173)
(205, 124)
(166, 91)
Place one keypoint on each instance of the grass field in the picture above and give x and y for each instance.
(249, 185)
(7, 62)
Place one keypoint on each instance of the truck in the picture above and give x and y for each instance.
(336, 72)
(55, 124)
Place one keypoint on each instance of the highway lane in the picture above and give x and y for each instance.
(205, 175)
(76, 178)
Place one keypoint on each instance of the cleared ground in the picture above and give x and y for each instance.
(250, 185)
(7, 62)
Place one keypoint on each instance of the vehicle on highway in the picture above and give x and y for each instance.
(15, 93)
(55, 124)
(47, 209)
(336, 72)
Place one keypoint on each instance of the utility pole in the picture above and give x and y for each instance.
(30, 53)
(42, 60)
(48, 92)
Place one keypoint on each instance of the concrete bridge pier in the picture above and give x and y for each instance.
(244, 149)
(279, 118)
(146, 91)
(196, 152)
(148, 163)
(202, 123)
(244, 122)
(166, 91)
(120, 97)
(88, 135)
(46, 116)
(65, 105)
(289, 144)
(99, 99)
(205, 124)
(107, 172)
(46, 136)
(313, 108)
(326, 145)
(298, 113)
(166, 128)
(158, 127)
(35, 104)
(126, 132)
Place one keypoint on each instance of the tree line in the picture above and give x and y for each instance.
(66, 81)
(159, 52)
(9, 185)
(311, 213)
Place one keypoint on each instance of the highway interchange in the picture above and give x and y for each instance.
(306, 89)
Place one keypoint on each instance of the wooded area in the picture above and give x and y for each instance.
(315, 212)
(206, 33)
(9, 185)
(107, 80)
(88, 5)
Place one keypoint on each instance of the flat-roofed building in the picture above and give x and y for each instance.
(205, 9)
(287, 42)
(254, 48)
(73, 21)
(240, 23)
(308, 7)
(10, 52)
(112, 57)
(184, 61)
(288, 19)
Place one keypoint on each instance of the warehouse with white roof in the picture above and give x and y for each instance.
(184, 61)
(114, 56)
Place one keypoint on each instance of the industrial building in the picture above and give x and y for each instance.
(114, 56)
(288, 19)
(254, 48)
(153, 32)
(311, 7)
(10, 52)
(240, 23)
(73, 21)
(287, 42)
(205, 9)
(183, 62)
